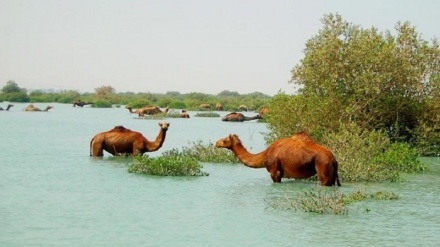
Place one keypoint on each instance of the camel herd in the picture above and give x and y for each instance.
(295, 157)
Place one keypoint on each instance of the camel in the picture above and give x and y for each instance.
(152, 110)
(243, 108)
(122, 141)
(80, 103)
(184, 114)
(296, 157)
(205, 106)
(7, 107)
(218, 107)
(34, 108)
(238, 117)
(264, 110)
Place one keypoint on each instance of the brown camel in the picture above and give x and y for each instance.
(243, 108)
(184, 114)
(7, 107)
(152, 110)
(238, 117)
(122, 141)
(34, 108)
(293, 157)
(218, 107)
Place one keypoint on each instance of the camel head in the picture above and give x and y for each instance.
(228, 142)
(9, 106)
(48, 108)
(164, 126)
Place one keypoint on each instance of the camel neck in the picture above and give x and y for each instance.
(153, 146)
(248, 159)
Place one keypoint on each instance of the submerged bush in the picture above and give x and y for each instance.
(171, 163)
(328, 200)
(207, 152)
(207, 114)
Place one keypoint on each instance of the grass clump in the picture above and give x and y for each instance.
(171, 163)
(329, 201)
(207, 152)
(207, 114)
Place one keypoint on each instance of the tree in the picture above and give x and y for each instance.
(377, 80)
(11, 87)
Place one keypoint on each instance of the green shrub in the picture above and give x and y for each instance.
(207, 152)
(102, 104)
(171, 163)
(328, 200)
(207, 114)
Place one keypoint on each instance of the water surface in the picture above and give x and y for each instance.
(54, 194)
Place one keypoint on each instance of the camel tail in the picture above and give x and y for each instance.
(337, 182)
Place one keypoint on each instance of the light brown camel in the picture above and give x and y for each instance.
(239, 117)
(243, 108)
(7, 107)
(152, 110)
(205, 106)
(218, 107)
(122, 141)
(264, 110)
(293, 157)
(184, 114)
(34, 108)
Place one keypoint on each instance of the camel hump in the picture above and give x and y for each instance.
(302, 136)
(120, 128)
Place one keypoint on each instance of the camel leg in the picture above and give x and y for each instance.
(97, 150)
(325, 173)
(275, 173)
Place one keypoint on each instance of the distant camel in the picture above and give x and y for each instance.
(80, 103)
(264, 110)
(238, 117)
(7, 107)
(243, 108)
(218, 107)
(33, 108)
(152, 110)
(205, 106)
(184, 114)
(296, 157)
(130, 109)
(122, 141)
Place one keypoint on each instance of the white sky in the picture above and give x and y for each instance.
(169, 45)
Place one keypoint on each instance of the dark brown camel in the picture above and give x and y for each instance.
(293, 157)
(7, 107)
(80, 103)
(238, 117)
(122, 141)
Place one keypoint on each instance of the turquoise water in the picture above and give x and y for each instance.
(54, 194)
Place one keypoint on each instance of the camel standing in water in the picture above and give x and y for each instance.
(7, 107)
(120, 140)
(184, 114)
(34, 108)
(152, 110)
(293, 157)
(239, 117)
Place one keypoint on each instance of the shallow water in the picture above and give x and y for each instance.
(54, 194)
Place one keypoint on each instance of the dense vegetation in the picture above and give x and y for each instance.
(106, 96)
(362, 92)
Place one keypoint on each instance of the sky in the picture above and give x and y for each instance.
(158, 46)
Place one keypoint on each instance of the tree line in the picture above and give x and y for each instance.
(106, 96)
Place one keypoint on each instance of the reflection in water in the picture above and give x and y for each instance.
(54, 194)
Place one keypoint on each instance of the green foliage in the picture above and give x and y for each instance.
(207, 152)
(139, 103)
(15, 97)
(328, 200)
(11, 87)
(377, 80)
(171, 163)
(207, 114)
(102, 104)
(368, 156)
